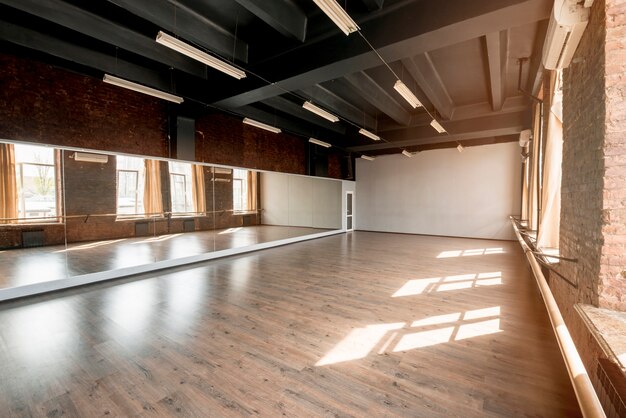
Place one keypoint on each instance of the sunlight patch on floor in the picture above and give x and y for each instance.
(441, 284)
(472, 252)
(400, 337)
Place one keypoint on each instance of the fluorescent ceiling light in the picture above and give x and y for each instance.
(437, 126)
(406, 153)
(193, 52)
(369, 134)
(460, 148)
(407, 94)
(140, 88)
(261, 125)
(338, 15)
(368, 158)
(320, 143)
(320, 112)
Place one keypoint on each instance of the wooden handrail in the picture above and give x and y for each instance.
(585, 393)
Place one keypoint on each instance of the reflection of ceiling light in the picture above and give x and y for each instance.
(460, 148)
(320, 112)
(437, 126)
(120, 82)
(338, 15)
(261, 125)
(406, 153)
(194, 53)
(320, 143)
(368, 158)
(407, 94)
(368, 134)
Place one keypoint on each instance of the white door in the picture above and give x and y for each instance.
(349, 212)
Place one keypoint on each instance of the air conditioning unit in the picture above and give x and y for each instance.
(524, 137)
(567, 24)
(91, 158)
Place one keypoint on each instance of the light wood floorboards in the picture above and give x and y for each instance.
(361, 324)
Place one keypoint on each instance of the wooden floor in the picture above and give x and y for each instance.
(361, 324)
(22, 266)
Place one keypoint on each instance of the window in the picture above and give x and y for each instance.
(181, 184)
(240, 189)
(35, 174)
(130, 185)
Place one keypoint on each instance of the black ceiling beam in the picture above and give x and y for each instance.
(282, 15)
(289, 125)
(296, 110)
(496, 125)
(369, 90)
(329, 100)
(79, 20)
(190, 25)
(373, 4)
(496, 46)
(65, 50)
(423, 71)
(409, 29)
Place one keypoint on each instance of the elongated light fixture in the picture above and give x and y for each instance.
(369, 134)
(406, 153)
(459, 148)
(261, 125)
(338, 15)
(407, 94)
(367, 157)
(320, 112)
(193, 52)
(320, 143)
(140, 88)
(437, 126)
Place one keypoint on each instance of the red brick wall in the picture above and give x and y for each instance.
(40, 103)
(593, 189)
(44, 104)
(612, 286)
(224, 139)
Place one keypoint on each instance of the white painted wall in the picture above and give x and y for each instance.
(441, 192)
(300, 201)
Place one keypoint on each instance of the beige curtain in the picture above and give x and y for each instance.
(198, 191)
(533, 160)
(8, 184)
(152, 196)
(551, 189)
(252, 190)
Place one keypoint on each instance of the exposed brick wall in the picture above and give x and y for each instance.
(612, 279)
(223, 139)
(40, 103)
(582, 167)
(44, 104)
(593, 189)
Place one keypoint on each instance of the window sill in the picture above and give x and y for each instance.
(245, 212)
(130, 218)
(30, 224)
(609, 329)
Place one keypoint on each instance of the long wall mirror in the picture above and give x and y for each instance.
(69, 213)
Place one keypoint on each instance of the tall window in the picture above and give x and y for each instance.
(35, 173)
(130, 185)
(181, 184)
(240, 189)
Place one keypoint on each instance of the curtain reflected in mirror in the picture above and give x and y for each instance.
(66, 213)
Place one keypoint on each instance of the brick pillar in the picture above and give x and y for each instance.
(612, 277)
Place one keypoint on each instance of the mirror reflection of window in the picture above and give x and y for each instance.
(181, 184)
(130, 185)
(240, 190)
(35, 175)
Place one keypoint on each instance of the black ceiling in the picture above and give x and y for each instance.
(459, 57)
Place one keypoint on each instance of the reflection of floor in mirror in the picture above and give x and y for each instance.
(361, 324)
(35, 265)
